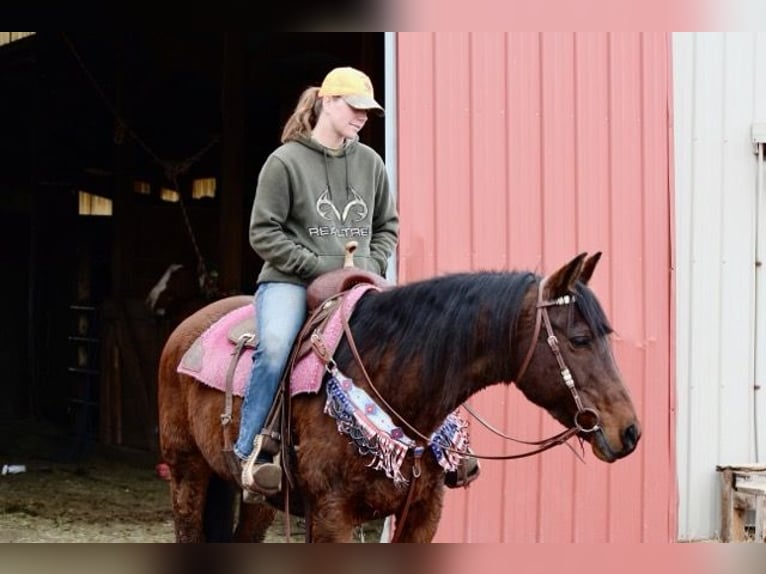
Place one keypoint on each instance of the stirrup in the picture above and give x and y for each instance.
(261, 477)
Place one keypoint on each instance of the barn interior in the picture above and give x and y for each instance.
(124, 153)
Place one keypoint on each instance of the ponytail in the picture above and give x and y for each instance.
(304, 117)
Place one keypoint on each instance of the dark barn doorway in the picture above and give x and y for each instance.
(98, 128)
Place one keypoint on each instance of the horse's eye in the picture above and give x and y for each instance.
(580, 340)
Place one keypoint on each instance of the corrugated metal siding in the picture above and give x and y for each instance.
(520, 150)
(720, 90)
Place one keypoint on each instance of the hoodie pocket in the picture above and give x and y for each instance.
(368, 264)
(326, 263)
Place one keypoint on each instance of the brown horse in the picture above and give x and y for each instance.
(425, 347)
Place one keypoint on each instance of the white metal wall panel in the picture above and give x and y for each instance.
(718, 93)
(759, 112)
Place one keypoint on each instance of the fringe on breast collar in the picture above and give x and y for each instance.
(374, 434)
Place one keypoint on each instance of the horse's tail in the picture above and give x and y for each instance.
(218, 518)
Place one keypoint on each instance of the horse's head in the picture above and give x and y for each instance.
(568, 367)
(175, 288)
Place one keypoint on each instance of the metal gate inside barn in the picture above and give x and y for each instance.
(520, 151)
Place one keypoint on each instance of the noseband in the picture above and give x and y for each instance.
(542, 318)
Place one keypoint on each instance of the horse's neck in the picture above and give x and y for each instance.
(440, 347)
(430, 402)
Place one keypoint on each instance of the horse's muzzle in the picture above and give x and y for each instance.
(629, 438)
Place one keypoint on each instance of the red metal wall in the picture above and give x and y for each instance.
(520, 150)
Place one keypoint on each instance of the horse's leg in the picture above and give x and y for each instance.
(254, 522)
(329, 522)
(421, 522)
(218, 516)
(189, 479)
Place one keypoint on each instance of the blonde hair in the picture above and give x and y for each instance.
(305, 115)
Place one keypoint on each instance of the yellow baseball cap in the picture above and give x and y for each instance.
(354, 86)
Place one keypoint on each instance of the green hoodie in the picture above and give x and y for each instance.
(311, 200)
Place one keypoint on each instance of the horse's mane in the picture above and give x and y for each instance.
(441, 324)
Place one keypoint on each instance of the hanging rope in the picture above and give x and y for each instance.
(171, 169)
(207, 280)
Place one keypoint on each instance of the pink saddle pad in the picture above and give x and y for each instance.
(209, 357)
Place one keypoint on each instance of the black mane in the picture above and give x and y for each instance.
(442, 323)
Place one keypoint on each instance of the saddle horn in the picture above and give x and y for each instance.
(339, 280)
(350, 248)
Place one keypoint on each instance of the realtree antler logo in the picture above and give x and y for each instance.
(356, 208)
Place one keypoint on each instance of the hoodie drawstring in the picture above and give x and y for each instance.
(327, 174)
(345, 157)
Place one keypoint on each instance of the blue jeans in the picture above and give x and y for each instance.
(280, 311)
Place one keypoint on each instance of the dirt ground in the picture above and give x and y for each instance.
(103, 495)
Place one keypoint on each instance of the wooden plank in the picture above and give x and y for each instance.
(743, 487)
(742, 467)
(732, 515)
(750, 483)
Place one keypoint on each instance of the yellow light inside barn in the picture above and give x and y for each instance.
(8, 37)
(90, 204)
(203, 187)
(142, 187)
(168, 195)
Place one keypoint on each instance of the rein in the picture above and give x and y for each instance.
(541, 318)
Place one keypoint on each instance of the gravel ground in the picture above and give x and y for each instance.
(108, 495)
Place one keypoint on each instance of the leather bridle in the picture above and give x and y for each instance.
(542, 318)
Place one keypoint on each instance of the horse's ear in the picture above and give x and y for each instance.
(588, 266)
(562, 282)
